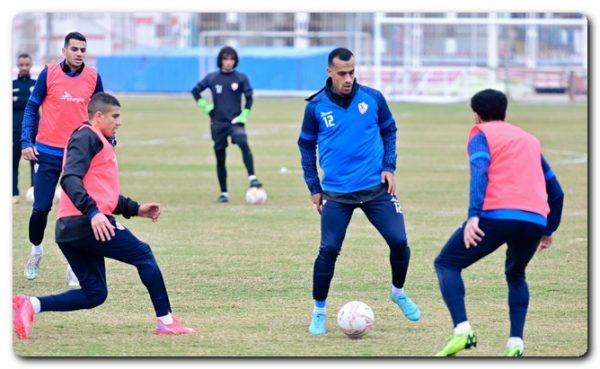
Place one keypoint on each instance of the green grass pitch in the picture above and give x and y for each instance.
(241, 275)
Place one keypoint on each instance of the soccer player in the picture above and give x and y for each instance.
(87, 232)
(227, 118)
(515, 198)
(355, 134)
(63, 91)
(22, 87)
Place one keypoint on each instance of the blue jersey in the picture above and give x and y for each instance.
(352, 148)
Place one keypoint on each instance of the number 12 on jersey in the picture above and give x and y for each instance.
(328, 120)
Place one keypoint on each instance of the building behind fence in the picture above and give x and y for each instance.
(436, 57)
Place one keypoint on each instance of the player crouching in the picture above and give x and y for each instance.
(86, 231)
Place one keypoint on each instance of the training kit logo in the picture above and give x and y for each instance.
(234, 86)
(68, 97)
(362, 107)
(219, 88)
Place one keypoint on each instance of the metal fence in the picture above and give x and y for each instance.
(404, 54)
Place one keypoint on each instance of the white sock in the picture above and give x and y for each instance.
(37, 307)
(462, 328)
(397, 291)
(514, 341)
(320, 307)
(37, 249)
(250, 178)
(167, 319)
(226, 194)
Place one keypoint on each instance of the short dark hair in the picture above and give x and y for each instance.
(24, 55)
(341, 53)
(489, 105)
(227, 51)
(101, 102)
(74, 36)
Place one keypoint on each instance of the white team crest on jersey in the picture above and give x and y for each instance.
(363, 107)
(234, 86)
(219, 88)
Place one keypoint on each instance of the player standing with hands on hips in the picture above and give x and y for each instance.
(87, 232)
(227, 118)
(63, 91)
(514, 198)
(355, 134)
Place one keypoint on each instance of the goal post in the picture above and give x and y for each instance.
(445, 58)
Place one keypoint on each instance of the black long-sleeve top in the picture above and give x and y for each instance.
(227, 89)
(22, 88)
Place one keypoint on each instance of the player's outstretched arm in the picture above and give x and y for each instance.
(150, 210)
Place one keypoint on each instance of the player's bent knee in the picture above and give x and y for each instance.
(513, 276)
(328, 253)
(398, 242)
(96, 298)
(40, 212)
(439, 263)
(145, 249)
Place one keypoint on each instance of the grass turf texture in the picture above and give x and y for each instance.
(241, 275)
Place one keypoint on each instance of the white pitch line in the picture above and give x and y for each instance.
(580, 160)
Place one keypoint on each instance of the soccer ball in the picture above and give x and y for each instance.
(355, 319)
(29, 195)
(256, 196)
